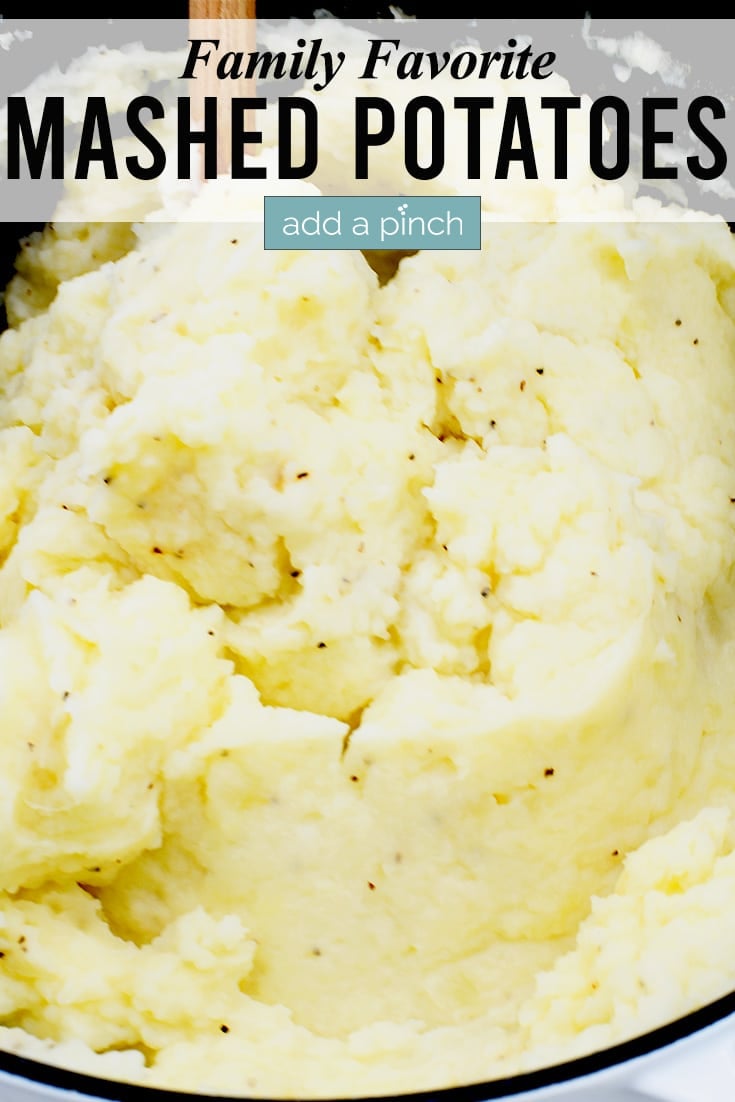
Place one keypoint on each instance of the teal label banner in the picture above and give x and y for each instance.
(372, 222)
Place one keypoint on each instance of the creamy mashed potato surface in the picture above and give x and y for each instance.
(365, 653)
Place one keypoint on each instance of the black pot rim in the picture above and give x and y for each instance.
(37, 1073)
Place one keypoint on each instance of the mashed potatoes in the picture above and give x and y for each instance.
(366, 653)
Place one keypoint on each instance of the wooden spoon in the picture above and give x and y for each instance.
(225, 20)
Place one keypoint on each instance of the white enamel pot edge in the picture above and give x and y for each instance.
(690, 1060)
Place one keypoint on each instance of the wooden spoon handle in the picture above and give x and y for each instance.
(222, 9)
(222, 19)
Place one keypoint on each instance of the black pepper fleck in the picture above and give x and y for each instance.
(485, 592)
(539, 370)
(549, 772)
(523, 385)
(678, 321)
(371, 885)
(303, 474)
(157, 551)
(224, 1029)
(321, 646)
(295, 573)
